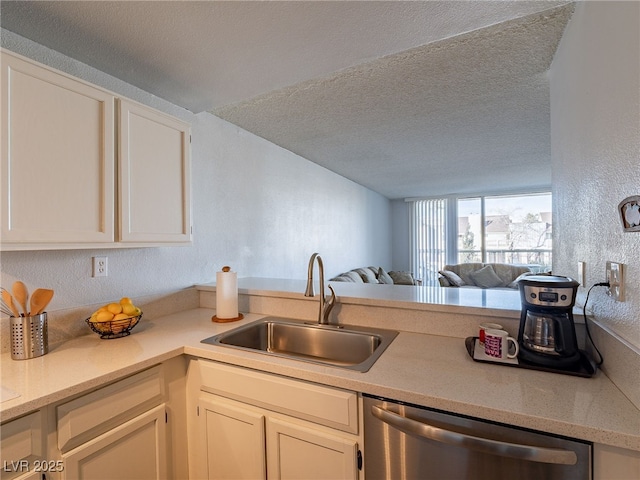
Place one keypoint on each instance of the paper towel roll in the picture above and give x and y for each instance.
(226, 294)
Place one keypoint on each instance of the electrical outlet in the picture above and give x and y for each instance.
(582, 275)
(615, 277)
(99, 267)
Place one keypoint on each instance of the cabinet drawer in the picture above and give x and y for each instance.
(23, 441)
(93, 414)
(328, 406)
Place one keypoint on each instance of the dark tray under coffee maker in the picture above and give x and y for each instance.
(585, 368)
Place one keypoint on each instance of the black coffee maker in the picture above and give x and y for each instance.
(547, 334)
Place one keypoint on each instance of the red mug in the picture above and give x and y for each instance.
(487, 326)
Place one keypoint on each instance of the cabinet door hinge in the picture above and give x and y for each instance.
(359, 459)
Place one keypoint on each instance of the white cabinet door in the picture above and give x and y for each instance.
(32, 476)
(57, 157)
(23, 445)
(257, 426)
(296, 452)
(232, 441)
(154, 174)
(134, 450)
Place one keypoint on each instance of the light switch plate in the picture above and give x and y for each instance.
(582, 276)
(615, 277)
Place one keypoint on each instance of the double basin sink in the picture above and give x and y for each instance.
(351, 347)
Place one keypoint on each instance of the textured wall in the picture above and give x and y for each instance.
(595, 137)
(256, 207)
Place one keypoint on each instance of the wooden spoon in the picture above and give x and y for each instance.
(21, 294)
(8, 300)
(40, 299)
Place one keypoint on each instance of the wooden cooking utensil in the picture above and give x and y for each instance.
(8, 300)
(21, 294)
(40, 299)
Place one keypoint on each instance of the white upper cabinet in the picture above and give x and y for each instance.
(153, 162)
(60, 185)
(57, 157)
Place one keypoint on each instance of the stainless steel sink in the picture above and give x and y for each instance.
(355, 348)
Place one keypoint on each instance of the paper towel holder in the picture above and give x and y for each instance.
(216, 319)
(227, 320)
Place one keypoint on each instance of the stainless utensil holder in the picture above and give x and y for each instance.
(29, 337)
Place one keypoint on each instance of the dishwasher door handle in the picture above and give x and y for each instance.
(485, 445)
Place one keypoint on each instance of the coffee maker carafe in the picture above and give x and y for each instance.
(547, 334)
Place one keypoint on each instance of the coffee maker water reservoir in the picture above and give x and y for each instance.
(547, 334)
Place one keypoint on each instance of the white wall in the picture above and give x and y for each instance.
(256, 207)
(595, 136)
(400, 235)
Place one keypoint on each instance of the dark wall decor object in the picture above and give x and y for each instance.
(629, 210)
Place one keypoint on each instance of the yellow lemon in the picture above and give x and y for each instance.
(104, 316)
(114, 308)
(125, 301)
(121, 316)
(129, 309)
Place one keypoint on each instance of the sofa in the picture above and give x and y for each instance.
(376, 275)
(483, 275)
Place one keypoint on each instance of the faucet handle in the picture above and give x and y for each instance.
(329, 305)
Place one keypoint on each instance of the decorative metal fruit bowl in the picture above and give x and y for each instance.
(114, 328)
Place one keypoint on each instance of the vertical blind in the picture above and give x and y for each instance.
(428, 238)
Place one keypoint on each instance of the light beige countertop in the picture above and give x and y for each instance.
(496, 301)
(427, 370)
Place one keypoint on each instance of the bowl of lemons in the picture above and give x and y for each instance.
(115, 320)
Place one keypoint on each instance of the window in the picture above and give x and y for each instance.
(513, 229)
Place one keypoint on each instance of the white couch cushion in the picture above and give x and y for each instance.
(453, 278)
(383, 277)
(486, 278)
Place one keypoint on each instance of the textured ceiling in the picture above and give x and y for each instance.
(407, 98)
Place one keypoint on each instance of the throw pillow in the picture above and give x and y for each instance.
(402, 278)
(351, 277)
(486, 277)
(383, 277)
(341, 278)
(366, 274)
(453, 278)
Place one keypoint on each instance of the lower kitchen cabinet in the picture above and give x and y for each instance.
(243, 442)
(132, 429)
(232, 439)
(252, 425)
(135, 450)
(613, 463)
(24, 443)
(298, 451)
(32, 475)
(117, 431)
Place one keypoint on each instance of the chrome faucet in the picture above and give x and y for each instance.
(325, 305)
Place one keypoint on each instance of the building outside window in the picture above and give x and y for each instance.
(514, 229)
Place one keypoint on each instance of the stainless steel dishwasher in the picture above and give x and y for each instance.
(408, 442)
